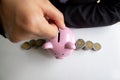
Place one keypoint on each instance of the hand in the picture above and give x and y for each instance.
(28, 19)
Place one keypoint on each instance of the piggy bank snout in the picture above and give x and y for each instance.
(70, 45)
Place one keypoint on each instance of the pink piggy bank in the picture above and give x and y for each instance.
(62, 45)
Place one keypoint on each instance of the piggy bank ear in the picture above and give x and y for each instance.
(48, 45)
(70, 45)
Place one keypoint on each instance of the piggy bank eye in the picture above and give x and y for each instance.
(62, 54)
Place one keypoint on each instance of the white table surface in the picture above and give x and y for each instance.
(37, 64)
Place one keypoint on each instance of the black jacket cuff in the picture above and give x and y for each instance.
(2, 30)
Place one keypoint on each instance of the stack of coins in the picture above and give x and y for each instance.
(88, 45)
(26, 45)
(79, 44)
(96, 47)
(32, 43)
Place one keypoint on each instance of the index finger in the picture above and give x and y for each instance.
(55, 15)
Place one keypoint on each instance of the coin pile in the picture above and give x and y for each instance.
(88, 45)
(32, 43)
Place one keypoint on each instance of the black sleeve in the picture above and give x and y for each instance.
(1, 26)
(92, 14)
(1, 29)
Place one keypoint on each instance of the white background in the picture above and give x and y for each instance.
(37, 64)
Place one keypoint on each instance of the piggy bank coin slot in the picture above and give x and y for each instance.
(58, 36)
